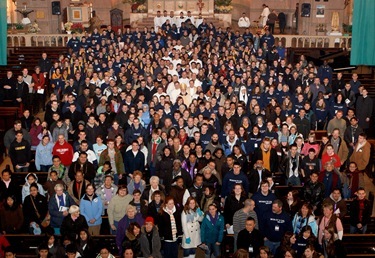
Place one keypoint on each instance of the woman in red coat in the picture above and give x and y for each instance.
(39, 83)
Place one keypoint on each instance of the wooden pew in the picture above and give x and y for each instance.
(7, 117)
(26, 244)
(19, 177)
(359, 243)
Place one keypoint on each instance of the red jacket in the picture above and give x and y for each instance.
(65, 152)
(39, 81)
(3, 243)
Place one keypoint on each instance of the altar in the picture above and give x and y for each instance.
(181, 6)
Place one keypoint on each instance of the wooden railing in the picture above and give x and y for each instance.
(303, 41)
(37, 40)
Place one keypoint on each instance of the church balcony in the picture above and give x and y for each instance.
(295, 41)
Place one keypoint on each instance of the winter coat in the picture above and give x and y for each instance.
(92, 209)
(71, 228)
(309, 222)
(361, 156)
(122, 228)
(133, 163)
(354, 213)
(118, 160)
(57, 216)
(164, 166)
(165, 227)
(191, 229)
(155, 243)
(212, 233)
(131, 186)
(29, 212)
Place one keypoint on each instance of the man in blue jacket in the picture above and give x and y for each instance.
(275, 224)
(263, 201)
(134, 159)
(58, 207)
(234, 176)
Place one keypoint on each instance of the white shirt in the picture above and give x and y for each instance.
(198, 22)
(244, 22)
(158, 22)
(91, 156)
(265, 13)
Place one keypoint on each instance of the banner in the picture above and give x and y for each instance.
(363, 39)
(3, 32)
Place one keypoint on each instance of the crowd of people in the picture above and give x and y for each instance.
(178, 134)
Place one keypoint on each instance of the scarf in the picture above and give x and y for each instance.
(173, 223)
(213, 219)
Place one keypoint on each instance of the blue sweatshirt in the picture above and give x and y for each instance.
(230, 179)
(43, 155)
(263, 203)
(275, 225)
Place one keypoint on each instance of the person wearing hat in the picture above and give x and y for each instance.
(150, 239)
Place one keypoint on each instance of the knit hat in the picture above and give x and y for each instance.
(149, 219)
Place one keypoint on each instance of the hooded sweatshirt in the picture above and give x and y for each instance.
(64, 151)
(26, 187)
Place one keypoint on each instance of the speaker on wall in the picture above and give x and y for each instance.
(56, 10)
(305, 10)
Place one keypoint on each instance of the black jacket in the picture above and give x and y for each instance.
(165, 228)
(314, 193)
(71, 228)
(29, 212)
(88, 170)
(354, 213)
(254, 179)
(245, 239)
(164, 166)
(274, 160)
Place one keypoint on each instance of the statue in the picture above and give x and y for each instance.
(335, 23)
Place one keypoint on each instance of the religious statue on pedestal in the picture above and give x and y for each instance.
(335, 23)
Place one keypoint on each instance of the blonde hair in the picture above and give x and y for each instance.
(73, 209)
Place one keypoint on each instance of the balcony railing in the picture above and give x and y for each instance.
(300, 41)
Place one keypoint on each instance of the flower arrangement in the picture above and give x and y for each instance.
(141, 8)
(34, 27)
(223, 6)
(68, 26)
(77, 28)
(135, 4)
(223, 9)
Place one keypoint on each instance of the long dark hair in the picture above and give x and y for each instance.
(15, 203)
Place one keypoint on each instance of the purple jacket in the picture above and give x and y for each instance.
(123, 225)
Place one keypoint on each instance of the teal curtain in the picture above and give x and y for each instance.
(3, 32)
(363, 33)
